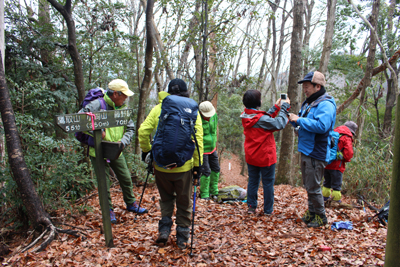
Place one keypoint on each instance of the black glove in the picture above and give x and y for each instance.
(144, 154)
(196, 175)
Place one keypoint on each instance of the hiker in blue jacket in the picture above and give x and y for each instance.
(313, 125)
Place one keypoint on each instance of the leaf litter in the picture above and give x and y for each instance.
(224, 235)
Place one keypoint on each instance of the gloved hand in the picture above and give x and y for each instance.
(196, 175)
(144, 154)
(121, 145)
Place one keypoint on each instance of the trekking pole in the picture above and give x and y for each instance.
(195, 183)
(149, 168)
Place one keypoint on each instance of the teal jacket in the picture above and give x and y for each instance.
(210, 133)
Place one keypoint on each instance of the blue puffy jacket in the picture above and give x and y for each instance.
(316, 122)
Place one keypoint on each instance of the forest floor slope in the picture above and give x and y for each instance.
(225, 235)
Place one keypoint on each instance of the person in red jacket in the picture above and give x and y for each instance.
(259, 146)
(333, 173)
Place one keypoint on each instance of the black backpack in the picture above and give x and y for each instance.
(173, 144)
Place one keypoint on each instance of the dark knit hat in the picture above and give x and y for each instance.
(177, 83)
(352, 126)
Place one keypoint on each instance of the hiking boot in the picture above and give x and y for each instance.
(214, 198)
(318, 221)
(112, 216)
(182, 236)
(251, 210)
(134, 207)
(164, 229)
(308, 217)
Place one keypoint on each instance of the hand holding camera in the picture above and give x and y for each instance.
(285, 98)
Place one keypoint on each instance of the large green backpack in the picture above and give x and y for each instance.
(232, 193)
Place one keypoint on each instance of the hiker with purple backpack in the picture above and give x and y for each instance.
(114, 99)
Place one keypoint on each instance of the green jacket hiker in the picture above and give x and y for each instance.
(210, 169)
(115, 98)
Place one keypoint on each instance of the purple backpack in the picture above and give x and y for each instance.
(93, 94)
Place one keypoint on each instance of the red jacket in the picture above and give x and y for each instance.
(259, 144)
(345, 145)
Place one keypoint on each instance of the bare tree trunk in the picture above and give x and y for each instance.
(34, 208)
(189, 42)
(306, 39)
(66, 12)
(157, 38)
(368, 70)
(330, 23)
(44, 21)
(198, 59)
(204, 57)
(148, 72)
(391, 92)
(286, 155)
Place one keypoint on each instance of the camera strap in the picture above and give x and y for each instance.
(307, 110)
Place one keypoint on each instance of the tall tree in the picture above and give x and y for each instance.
(66, 12)
(148, 70)
(327, 47)
(286, 155)
(368, 70)
(37, 215)
(391, 90)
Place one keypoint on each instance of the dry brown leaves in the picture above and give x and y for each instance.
(225, 235)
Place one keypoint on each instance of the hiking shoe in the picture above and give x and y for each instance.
(134, 207)
(164, 229)
(112, 216)
(182, 236)
(318, 221)
(251, 210)
(308, 217)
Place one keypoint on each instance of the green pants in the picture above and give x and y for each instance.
(121, 170)
(175, 187)
(209, 184)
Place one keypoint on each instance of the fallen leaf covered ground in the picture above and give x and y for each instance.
(224, 235)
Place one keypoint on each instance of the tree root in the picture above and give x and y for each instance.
(48, 236)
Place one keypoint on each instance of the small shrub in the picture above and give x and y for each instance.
(369, 173)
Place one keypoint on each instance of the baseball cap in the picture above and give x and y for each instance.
(207, 109)
(314, 77)
(120, 86)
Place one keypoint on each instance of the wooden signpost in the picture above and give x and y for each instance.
(81, 122)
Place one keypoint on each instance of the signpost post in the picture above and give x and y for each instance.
(81, 122)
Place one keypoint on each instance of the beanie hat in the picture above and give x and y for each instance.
(314, 77)
(177, 82)
(207, 109)
(352, 126)
(119, 85)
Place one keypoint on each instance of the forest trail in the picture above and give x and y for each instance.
(225, 235)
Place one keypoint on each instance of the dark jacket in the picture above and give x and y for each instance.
(259, 144)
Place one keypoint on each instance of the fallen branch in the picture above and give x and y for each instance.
(375, 71)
